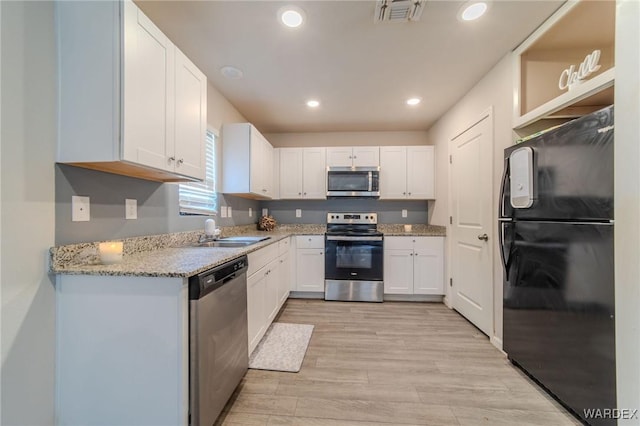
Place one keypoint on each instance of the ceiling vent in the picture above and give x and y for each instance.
(398, 10)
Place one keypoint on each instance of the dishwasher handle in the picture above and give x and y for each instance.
(208, 281)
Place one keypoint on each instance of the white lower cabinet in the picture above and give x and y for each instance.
(414, 265)
(310, 263)
(267, 288)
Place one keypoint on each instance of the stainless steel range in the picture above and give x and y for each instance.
(353, 258)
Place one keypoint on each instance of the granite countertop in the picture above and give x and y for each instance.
(173, 255)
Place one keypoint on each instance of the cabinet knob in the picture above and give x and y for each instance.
(350, 157)
(409, 193)
(180, 161)
(299, 193)
(305, 193)
(172, 158)
(354, 157)
(404, 193)
(320, 252)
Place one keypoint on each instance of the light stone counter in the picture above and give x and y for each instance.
(167, 255)
(172, 255)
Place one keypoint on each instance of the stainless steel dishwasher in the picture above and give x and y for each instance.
(218, 348)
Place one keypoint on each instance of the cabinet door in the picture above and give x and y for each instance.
(366, 156)
(267, 168)
(314, 173)
(310, 270)
(290, 173)
(148, 92)
(271, 297)
(339, 156)
(190, 118)
(428, 265)
(256, 163)
(398, 271)
(256, 317)
(393, 172)
(284, 278)
(420, 172)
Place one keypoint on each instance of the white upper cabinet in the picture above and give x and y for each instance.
(407, 172)
(131, 103)
(247, 162)
(303, 173)
(358, 156)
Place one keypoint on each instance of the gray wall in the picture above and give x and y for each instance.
(28, 135)
(157, 207)
(316, 211)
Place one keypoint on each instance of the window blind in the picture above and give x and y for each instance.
(200, 197)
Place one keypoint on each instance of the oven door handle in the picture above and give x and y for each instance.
(345, 238)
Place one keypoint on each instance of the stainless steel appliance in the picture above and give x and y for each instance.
(353, 182)
(353, 258)
(556, 231)
(218, 346)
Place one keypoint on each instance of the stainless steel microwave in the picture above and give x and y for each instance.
(353, 182)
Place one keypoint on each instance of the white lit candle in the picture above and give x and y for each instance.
(110, 252)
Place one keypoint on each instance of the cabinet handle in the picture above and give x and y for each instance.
(172, 158)
(180, 161)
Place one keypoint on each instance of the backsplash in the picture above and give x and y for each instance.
(315, 211)
(157, 207)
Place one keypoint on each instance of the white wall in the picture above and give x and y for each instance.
(493, 90)
(347, 139)
(627, 206)
(27, 212)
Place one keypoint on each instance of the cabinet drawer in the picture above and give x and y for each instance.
(283, 246)
(432, 245)
(258, 259)
(399, 243)
(310, 241)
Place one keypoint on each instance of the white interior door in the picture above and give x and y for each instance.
(471, 198)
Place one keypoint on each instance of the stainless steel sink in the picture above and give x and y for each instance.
(231, 242)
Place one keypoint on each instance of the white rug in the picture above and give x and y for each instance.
(282, 348)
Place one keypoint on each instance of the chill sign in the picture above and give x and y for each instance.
(569, 78)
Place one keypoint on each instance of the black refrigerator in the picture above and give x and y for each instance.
(556, 244)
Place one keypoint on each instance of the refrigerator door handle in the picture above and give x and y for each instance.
(506, 263)
(503, 183)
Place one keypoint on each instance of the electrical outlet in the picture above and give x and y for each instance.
(250, 212)
(80, 209)
(404, 212)
(130, 208)
(298, 212)
(265, 212)
(223, 211)
(229, 212)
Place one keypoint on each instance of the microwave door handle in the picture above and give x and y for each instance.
(370, 181)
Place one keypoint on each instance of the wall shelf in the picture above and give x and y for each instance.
(574, 31)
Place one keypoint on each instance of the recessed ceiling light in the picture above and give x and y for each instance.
(413, 101)
(313, 103)
(472, 10)
(230, 72)
(291, 16)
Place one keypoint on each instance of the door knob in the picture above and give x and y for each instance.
(483, 237)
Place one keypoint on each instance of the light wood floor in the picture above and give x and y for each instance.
(391, 363)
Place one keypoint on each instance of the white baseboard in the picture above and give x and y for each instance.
(497, 342)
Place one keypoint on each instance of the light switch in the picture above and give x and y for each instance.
(229, 212)
(223, 211)
(404, 212)
(131, 208)
(80, 209)
(250, 212)
(298, 212)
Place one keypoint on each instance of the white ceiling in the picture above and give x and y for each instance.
(361, 72)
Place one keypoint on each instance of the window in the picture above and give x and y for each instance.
(200, 197)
